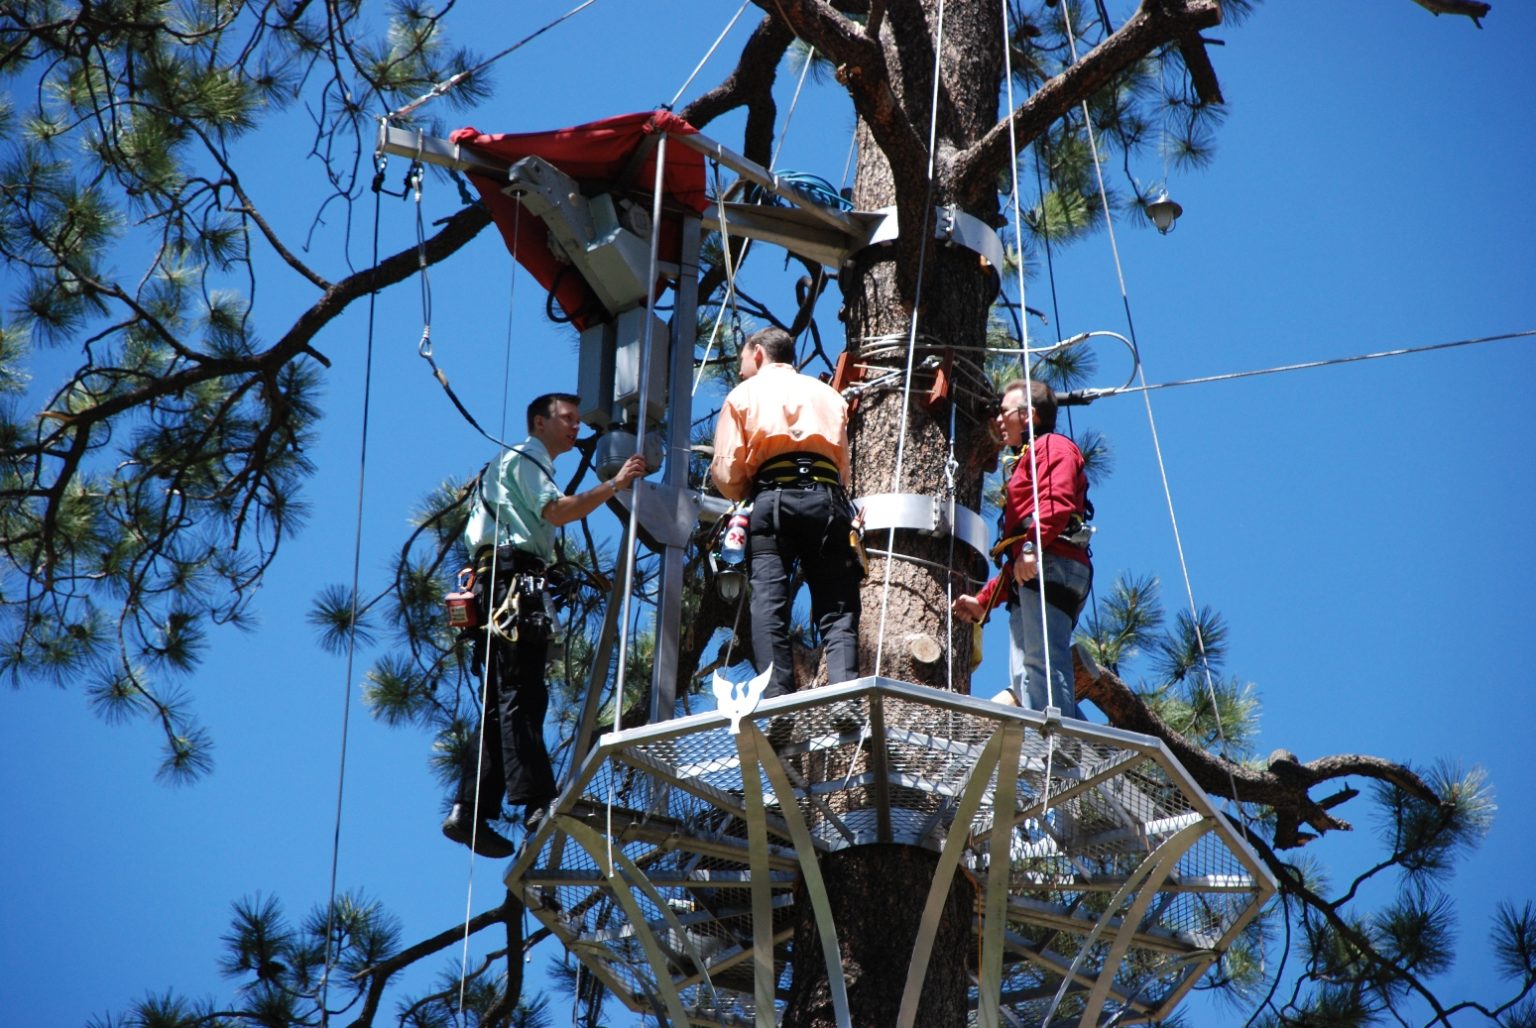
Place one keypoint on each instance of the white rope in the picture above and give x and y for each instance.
(725, 241)
(486, 653)
(1189, 592)
(631, 538)
(906, 391)
(810, 58)
(730, 280)
(708, 54)
(1029, 388)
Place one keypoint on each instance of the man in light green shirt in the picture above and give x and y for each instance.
(520, 508)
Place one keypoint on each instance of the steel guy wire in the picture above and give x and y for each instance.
(357, 558)
(1094, 394)
(443, 87)
(708, 54)
(1157, 448)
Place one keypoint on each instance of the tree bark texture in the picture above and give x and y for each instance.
(877, 893)
(952, 289)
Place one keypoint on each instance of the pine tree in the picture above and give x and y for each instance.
(144, 504)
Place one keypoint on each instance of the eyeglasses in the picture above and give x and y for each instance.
(1003, 412)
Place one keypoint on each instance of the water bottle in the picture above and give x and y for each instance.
(733, 546)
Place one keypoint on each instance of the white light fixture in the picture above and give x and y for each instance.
(1164, 213)
(729, 582)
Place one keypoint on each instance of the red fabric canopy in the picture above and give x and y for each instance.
(595, 154)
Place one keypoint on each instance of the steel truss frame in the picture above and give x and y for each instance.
(1108, 881)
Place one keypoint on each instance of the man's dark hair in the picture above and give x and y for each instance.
(777, 343)
(1041, 397)
(544, 406)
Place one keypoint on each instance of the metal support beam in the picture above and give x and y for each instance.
(1156, 869)
(763, 974)
(810, 870)
(669, 608)
(419, 146)
(754, 172)
(943, 876)
(999, 849)
(597, 849)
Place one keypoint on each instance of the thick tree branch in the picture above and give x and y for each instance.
(1155, 23)
(750, 83)
(1471, 8)
(460, 229)
(1283, 786)
(862, 70)
(379, 974)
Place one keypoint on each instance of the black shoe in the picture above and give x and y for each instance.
(460, 827)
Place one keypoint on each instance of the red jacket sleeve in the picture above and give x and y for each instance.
(987, 594)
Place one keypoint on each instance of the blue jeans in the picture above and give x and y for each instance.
(1028, 636)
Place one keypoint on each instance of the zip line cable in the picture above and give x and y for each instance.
(357, 561)
(906, 391)
(443, 87)
(1089, 395)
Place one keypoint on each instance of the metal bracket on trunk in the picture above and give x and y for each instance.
(952, 225)
(928, 514)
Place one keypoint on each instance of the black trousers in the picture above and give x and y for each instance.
(513, 761)
(808, 526)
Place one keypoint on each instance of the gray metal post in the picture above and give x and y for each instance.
(669, 607)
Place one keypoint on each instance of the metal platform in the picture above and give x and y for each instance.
(672, 873)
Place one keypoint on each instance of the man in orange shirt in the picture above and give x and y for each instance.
(782, 439)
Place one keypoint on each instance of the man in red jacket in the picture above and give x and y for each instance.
(1045, 507)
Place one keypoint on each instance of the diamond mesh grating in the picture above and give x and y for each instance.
(1097, 818)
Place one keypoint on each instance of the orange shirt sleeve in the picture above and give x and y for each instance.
(728, 467)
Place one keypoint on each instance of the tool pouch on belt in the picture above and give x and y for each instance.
(463, 605)
(856, 543)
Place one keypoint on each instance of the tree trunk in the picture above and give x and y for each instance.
(878, 891)
(953, 288)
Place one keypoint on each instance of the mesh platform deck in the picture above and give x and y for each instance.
(672, 874)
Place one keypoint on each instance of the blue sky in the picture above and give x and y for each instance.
(1362, 528)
